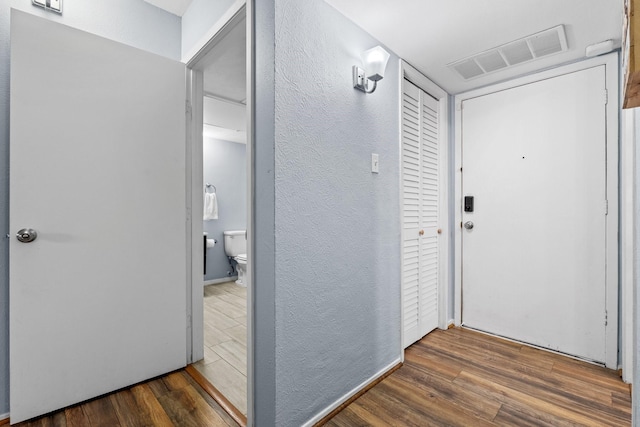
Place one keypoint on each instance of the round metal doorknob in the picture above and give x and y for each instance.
(468, 225)
(26, 235)
(421, 232)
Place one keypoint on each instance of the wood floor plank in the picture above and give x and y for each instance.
(186, 408)
(375, 411)
(145, 398)
(433, 364)
(76, 417)
(592, 374)
(449, 391)
(229, 418)
(554, 408)
(465, 378)
(509, 416)
(621, 401)
(169, 401)
(428, 406)
(175, 381)
(158, 387)
(100, 413)
(499, 347)
(57, 419)
(504, 371)
(128, 411)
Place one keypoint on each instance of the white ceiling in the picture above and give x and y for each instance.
(177, 7)
(225, 85)
(225, 67)
(429, 34)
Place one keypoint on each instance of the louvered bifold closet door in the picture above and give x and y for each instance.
(420, 195)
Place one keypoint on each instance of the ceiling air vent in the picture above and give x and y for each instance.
(468, 69)
(516, 52)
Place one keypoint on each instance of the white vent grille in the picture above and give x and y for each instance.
(491, 61)
(535, 46)
(517, 52)
(545, 44)
(468, 69)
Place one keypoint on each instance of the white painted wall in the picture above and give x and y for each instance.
(333, 264)
(133, 22)
(636, 262)
(199, 18)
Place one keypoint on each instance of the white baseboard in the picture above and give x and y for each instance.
(223, 280)
(4, 417)
(351, 393)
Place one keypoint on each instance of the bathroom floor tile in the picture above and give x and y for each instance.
(234, 300)
(234, 353)
(210, 356)
(214, 336)
(239, 334)
(228, 380)
(215, 318)
(227, 308)
(225, 336)
(238, 290)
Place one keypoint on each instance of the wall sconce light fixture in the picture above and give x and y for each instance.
(375, 62)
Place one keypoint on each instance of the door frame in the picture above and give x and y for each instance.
(422, 82)
(610, 61)
(194, 146)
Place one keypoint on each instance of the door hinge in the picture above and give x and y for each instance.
(606, 97)
(606, 207)
(187, 108)
(606, 318)
(460, 224)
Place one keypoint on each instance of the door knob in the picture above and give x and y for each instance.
(26, 235)
(468, 225)
(421, 232)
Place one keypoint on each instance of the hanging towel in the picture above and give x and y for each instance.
(210, 206)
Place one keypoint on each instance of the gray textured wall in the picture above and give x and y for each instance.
(132, 22)
(225, 166)
(337, 225)
(263, 29)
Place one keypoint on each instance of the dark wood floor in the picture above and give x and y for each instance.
(454, 378)
(463, 378)
(172, 400)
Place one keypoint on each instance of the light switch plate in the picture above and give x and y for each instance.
(375, 167)
(51, 5)
(55, 5)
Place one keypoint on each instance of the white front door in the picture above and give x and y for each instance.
(534, 263)
(98, 299)
(420, 212)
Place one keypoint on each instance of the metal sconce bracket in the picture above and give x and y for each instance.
(361, 82)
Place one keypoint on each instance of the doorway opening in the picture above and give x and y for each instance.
(221, 209)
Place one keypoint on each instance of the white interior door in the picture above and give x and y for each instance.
(98, 300)
(420, 213)
(534, 263)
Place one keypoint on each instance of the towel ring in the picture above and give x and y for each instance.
(209, 186)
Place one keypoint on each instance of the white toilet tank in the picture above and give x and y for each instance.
(235, 242)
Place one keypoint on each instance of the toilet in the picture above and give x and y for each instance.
(235, 246)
